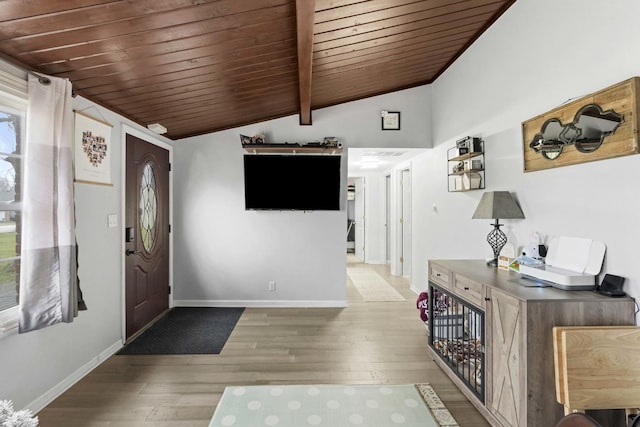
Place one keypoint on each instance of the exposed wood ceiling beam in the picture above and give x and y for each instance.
(305, 13)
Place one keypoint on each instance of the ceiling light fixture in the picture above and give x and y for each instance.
(370, 164)
(157, 128)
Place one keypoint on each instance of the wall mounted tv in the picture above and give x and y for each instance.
(292, 182)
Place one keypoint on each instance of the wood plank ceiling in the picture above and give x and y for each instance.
(198, 66)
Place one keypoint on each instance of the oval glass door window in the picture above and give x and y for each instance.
(148, 207)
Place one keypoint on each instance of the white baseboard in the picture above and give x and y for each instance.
(49, 396)
(260, 303)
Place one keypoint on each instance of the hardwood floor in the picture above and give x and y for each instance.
(365, 343)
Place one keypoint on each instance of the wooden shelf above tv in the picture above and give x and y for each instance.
(289, 148)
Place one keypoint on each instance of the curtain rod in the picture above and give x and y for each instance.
(42, 79)
(47, 81)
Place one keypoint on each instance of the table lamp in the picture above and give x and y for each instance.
(495, 205)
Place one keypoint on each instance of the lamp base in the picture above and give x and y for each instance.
(496, 239)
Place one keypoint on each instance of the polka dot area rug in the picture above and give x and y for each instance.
(332, 406)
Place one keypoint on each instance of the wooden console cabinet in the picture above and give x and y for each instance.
(518, 375)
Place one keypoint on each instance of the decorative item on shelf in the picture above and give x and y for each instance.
(469, 145)
(257, 139)
(466, 165)
(472, 164)
(496, 205)
(331, 142)
(471, 181)
(467, 181)
(535, 249)
(507, 255)
(390, 120)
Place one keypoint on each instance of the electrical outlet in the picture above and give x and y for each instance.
(272, 286)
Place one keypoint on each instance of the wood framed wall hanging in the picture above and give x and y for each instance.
(598, 126)
(92, 150)
(390, 120)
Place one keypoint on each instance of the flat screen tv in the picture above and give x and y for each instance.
(292, 182)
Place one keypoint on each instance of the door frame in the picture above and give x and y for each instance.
(387, 218)
(396, 266)
(126, 129)
(405, 232)
(360, 183)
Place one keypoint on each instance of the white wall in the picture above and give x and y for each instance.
(357, 124)
(535, 57)
(35, 367)
(227, 256)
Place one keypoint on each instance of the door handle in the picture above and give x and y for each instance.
(129, 252)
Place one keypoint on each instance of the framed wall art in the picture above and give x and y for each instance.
(92, 150)
(390, 120)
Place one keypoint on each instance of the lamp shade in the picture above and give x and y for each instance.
(498, 205)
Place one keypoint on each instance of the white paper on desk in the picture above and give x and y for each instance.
(569, 253)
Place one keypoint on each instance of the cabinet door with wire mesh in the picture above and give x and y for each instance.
(456, 333)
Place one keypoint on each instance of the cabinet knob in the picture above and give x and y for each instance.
(487, 299)
(437, 274)
(466, 288)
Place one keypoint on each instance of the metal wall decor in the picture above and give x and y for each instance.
(598, 126)
(587, 132)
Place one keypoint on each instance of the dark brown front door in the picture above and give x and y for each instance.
(146, 233)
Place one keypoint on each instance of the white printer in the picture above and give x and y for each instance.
(571, 264)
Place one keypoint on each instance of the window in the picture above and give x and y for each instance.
(11, 130)
(13, 105)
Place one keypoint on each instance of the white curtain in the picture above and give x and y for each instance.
(48, 281)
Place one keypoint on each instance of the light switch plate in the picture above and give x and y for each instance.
(112, 220)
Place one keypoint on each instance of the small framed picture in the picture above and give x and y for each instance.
(391, 120)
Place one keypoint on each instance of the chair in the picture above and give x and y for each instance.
(596, 367)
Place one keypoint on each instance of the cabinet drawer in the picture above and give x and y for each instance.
(469, 290)
(439, 275)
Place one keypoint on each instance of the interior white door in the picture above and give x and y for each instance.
(405, 184)
(359, 219)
